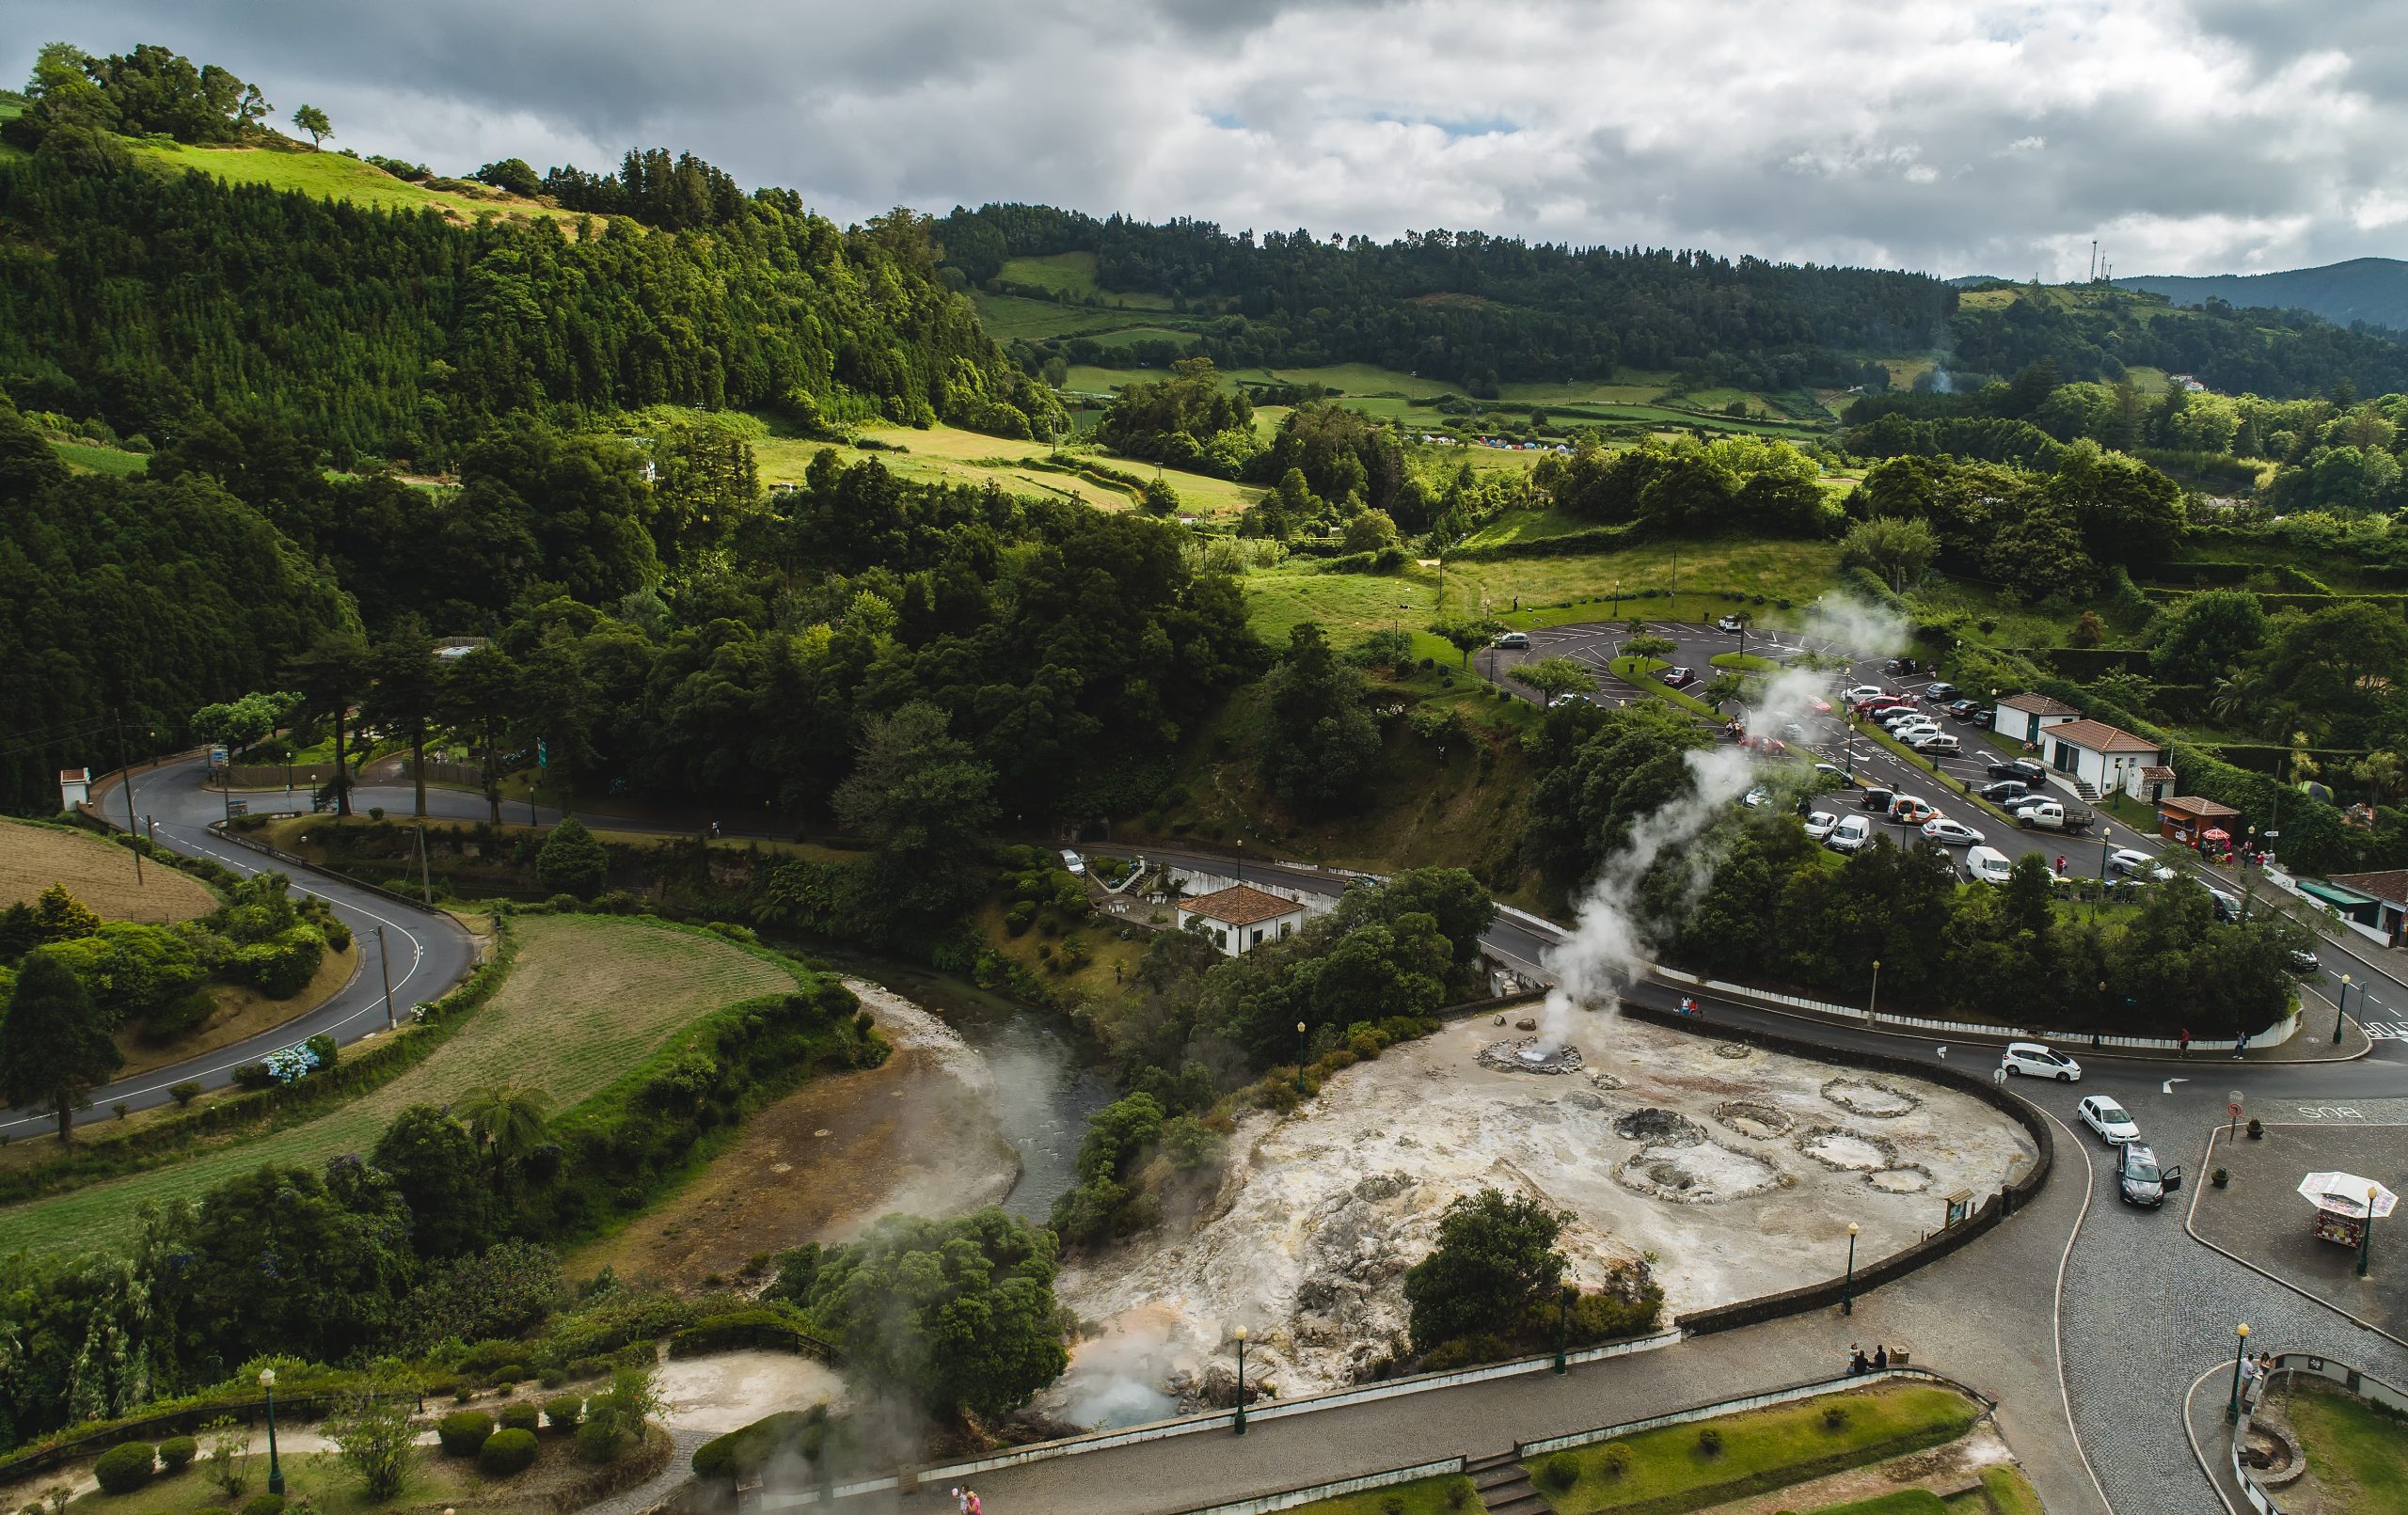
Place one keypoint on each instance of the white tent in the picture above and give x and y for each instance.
(2346, 1194)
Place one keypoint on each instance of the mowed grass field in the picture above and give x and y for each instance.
(90, 457)
(587, 997)
(336, 177)
(100, 874)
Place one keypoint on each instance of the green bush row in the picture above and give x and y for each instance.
(728, 1459)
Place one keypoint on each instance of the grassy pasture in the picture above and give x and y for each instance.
(332, 176)
(2357, 1454)
(100, 874)
(588, 997)
(90, 457)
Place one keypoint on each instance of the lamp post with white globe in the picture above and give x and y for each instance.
(274, 1470)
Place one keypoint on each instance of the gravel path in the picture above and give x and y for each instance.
(653, 1490)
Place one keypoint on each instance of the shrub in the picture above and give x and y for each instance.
(740, 1453)
(588, 1367)
(1615, 1458)
(184, 1092)
(562, 1411)
(463, 1432)
(506, 1452)
(596, 1442)
(1709, 1443)
(463, 1393)
(1458, 1494)
(519, 1415)
(125, 1467)
(509, 1373)
(212, 1509)
(1392, 1505)
(322, 1047)
(263, 1505)
(177, 1452)
(253, 1075)
(572, 860)
(1558, 1473)
(1835, 1417)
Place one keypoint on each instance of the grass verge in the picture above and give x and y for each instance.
(1674, 1468)
(1427, 1496)
(2356, 1452)
(586, 998)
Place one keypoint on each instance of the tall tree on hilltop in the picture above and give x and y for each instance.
(313, 121)
(480, 697)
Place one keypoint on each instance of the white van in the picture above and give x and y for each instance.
(1851, 834)
(1074, 864)
(1988, 865)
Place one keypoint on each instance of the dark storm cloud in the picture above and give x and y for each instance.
(1987, 136)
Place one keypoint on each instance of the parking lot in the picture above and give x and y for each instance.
(1941, 782)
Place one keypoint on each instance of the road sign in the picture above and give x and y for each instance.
(2233, 1104)
(238, 806)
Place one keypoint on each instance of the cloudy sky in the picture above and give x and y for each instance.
(1952, 136)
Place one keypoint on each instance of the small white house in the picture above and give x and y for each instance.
(2095, 753)
(1242, 917)
(74, 787)
(2024, 717)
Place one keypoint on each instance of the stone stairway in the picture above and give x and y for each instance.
(1503, 1486)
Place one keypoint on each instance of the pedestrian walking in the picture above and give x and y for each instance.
(960, 1501)
(977, 1507)
(2060, 863)
(2239, 1043)
(2182, 1045)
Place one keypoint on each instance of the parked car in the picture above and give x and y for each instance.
(1964, 709)
(1512, 639)
(1821, 824)
(2227, 906)
(1755, 796)
(1901, 665)
(1818, 705)
(1562, 700)
(1933, 744)
(1075, 864)
(1830, 770)
(2031, 1060)
(2004, 790)
(2020, 803)
(2024, 769)
(1862, 691)
(1908, 811)
(1940, 694)
(1792, 731)
(1679, 678)
(1914, 731)
(1876, 799)
(1851, 834)
(2134, 863)
(2304, 961)
(1731, 623)
(1950, 833)
(2038, 812)
(2102, 1114)
(2138, 1178)
(1988, 865)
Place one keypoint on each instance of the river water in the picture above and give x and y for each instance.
(1048, 1078)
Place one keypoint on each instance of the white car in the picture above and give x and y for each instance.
(1988, 865)
(1907, 733)
(1934, 742)
(1862, 691)
(1756, 797)
(1731, 623)
(1850, 835)
(2033, 1061)
(1820, 825)
(1903, 716)
(1074, 864)
(1950, 833)
(1512, 639)
(2103, 1116)
(2134, 863)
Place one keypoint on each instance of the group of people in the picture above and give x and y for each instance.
(2255, 1370)
(1859, 1365)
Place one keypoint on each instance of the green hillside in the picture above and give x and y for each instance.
(286, 166)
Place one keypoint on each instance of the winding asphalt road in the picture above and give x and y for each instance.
(429, 952)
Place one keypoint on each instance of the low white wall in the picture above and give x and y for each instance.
(1290, 1499)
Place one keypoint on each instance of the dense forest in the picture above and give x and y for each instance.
(1475, 311)
(148, 299)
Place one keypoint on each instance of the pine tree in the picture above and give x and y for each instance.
(53, 1047)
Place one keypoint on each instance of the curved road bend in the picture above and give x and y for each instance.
(430, 952)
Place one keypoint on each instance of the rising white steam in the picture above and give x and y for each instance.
(1612, 942)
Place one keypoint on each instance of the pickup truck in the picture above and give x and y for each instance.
(2049, 815)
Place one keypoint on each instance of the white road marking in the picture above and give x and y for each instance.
(2168, 1087)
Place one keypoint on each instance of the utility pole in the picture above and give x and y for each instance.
(384, 966)
(426, 891)
(125, 771)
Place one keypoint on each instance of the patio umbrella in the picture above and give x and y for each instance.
(2346, 1193)
(2217, 834)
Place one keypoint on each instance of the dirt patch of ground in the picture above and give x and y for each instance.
(916, 1134)
(240, 1013)
(727, 1391)
(100, 874)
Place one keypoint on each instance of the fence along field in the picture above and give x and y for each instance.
(587, 997)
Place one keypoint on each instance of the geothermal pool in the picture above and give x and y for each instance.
(1739, 1169)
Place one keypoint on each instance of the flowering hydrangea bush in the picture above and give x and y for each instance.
(291, 1064)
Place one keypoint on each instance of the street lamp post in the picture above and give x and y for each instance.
(2239, 1354)
(1239, 1424)
(275, 1472)
(2104, 836)
(1563, 1326)
(1873, 998)
(2341, 1009)
(1300, 1057)
(2365, 1234)
(1847, 1291)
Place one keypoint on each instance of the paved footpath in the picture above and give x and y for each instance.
(1985, 1316)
